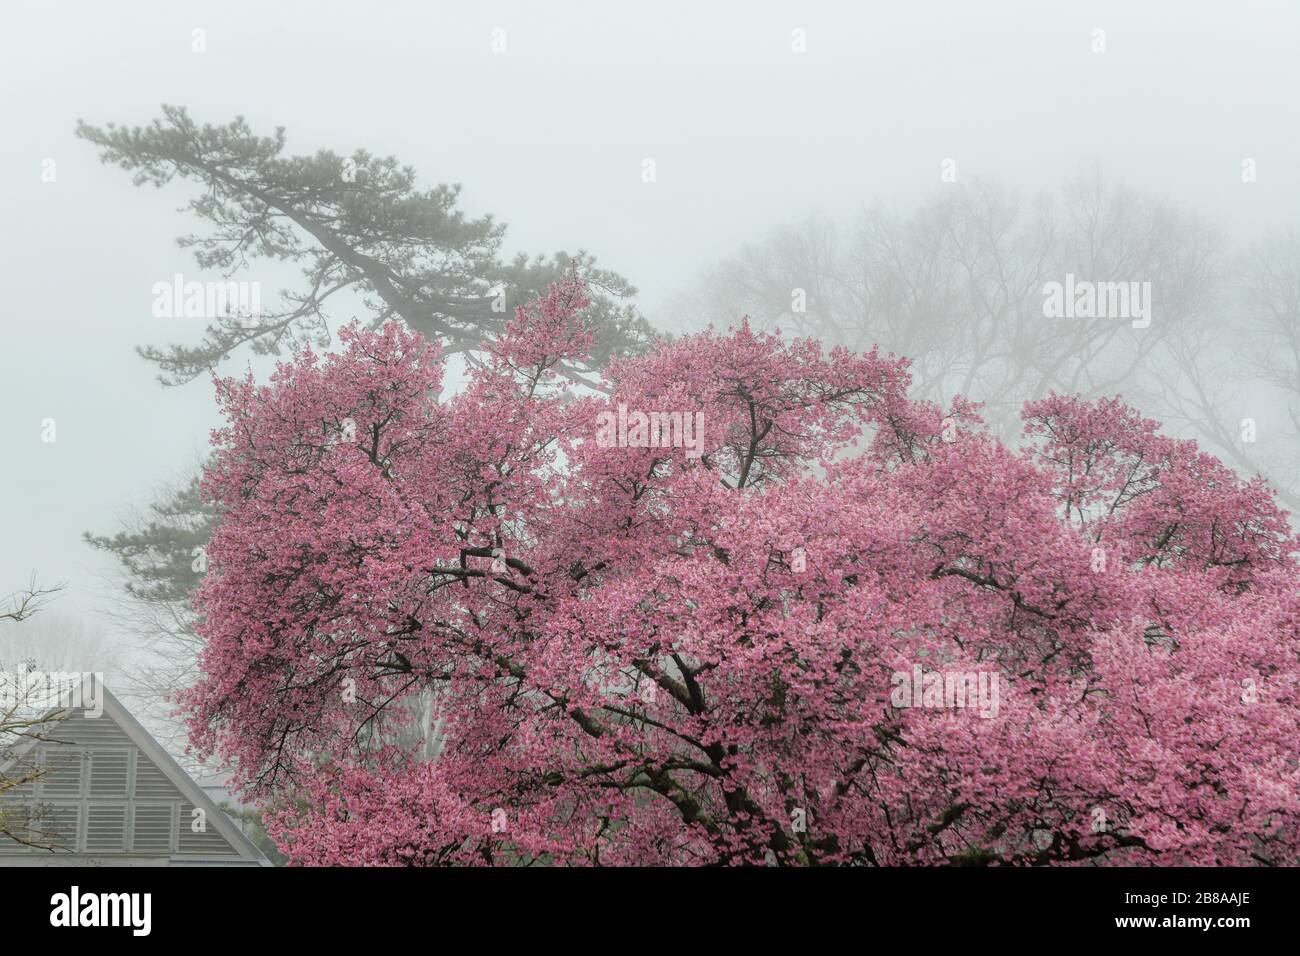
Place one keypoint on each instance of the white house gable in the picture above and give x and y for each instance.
(109, 793)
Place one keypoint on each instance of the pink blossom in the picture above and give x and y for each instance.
(629, 668)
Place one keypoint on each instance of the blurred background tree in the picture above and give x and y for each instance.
(956, 286)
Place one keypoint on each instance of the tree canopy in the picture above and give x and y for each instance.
(647, 655)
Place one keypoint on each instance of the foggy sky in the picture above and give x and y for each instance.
(549, 137)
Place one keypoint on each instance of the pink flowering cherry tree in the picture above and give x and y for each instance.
(753, 651)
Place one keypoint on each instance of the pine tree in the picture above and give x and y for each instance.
(361, 228)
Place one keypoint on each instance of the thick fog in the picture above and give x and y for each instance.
(756, 116)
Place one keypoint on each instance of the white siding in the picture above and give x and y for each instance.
(101, 795)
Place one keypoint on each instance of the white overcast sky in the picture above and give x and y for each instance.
(550, 137)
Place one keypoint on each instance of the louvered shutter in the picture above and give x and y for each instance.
(62, 772)
(154, 825)
(105, 827)
(108, 772)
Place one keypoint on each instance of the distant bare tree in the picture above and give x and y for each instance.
(20, 605)
(21, 722)
(956, 285)
(1238, 380)
(1270, 350)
